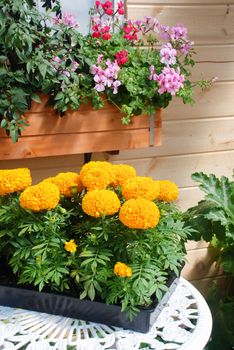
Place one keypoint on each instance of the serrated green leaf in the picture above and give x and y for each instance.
(217, 191)
(217, 215)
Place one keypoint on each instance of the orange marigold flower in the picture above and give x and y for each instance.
(98, 202)
(123, 172)
(43, 196)
(93, 169)
(168, 191)
(65, 182)
(70, 246)
(96, 179)
(122, 270)
(14, 180)
(140, 187)
(139, 213)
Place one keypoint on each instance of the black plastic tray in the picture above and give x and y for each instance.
(94, 311)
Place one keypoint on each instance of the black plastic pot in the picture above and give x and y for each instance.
(95, 311)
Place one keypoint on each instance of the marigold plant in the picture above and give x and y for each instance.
(94, 242)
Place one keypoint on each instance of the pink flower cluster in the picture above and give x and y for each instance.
(178, 34)
(107, 77)
(168, 54)
(67, 20)
(169, 80)
(147, 24)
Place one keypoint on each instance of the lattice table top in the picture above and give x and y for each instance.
(184, 323)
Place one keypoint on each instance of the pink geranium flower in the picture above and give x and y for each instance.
(170, 80)
(168, 54)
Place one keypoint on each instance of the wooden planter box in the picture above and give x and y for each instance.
(82, 131)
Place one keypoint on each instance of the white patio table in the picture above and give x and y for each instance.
(184, 323)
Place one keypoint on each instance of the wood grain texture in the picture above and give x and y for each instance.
(219, 163)
(188, 136)
(210, 70)
(44, 120)
(189, 196)
(85, 130)
(206, 24)
(214, 61)
(211, 103)
(214, 53)
(60, 144)
(193, 245)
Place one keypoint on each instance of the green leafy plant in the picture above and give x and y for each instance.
(68, 234)
(42, 54)
(213, 220)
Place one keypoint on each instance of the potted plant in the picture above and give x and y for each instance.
(104, 235)
(48, 68)
(213, 220)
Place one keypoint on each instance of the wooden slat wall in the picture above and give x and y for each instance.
(198, 138)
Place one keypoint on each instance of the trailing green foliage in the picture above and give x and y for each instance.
(28, 46)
